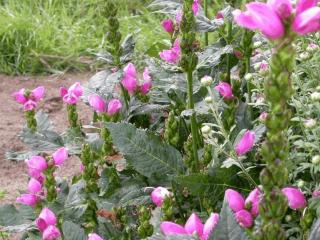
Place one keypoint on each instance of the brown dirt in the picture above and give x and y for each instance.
(13, 175)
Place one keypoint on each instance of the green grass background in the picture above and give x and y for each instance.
(46, 36)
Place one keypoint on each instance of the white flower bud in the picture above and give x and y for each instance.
(206, 81)
(257, 44)
(315, 96)
(311, 48)
(310, 123)
(248, 77)
(288, 218)
(304, 56)
(301, 183)
(205, 129)
(208, 100)
(316, 159)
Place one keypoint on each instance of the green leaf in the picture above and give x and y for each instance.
(72, 231)
(228, 228)
(315, 231)
(11, 216)
(159, 236)
(145, 151)
(128, 46)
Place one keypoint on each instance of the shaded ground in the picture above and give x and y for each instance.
(13, 175)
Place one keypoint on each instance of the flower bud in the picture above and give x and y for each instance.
(208, 100)
(288, 218)
(51, 233)
(263, 117)
(45, 219)
(316, 159)
(310, 123)
(244, 218)
(235, 200)
(114, 106)
(206, 81)
(312, 48)
(60, 156)
(316, 193)
(168, 25)
(300, 183)
(295, 197)
(304, 56)
(194, 225)
(315, 96)
(248, 77)
(257, 44)
(246, 143)
(225, 90)
(97, 103)
(158, 195)
(205, 129)
(27, 199)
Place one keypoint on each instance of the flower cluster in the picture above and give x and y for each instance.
(29, 99)
(100, 106)
(130, 80)
(271, 17)
(172, 55)
(72, 95)
(36, 168)
(46, 223)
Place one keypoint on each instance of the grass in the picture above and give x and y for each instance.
(46, 36)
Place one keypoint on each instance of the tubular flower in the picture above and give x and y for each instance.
(147, 84)
(158, 195)
(253, 200)
(172, 55)
(36, 165)
(27, 199)
(34, 186)
(235, 200)
(71, 95)
(45, 219)
(246, 143)
(29, 100)
(51, 233)
(97, 103)
(225, 90)
(168, 25)
(193, 226)
(295, 197)
(244, 218)
(60, 156)
(114, 106)
(271, 17)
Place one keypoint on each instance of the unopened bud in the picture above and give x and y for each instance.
(288, 218)
(205, 129)
(310, 123)
(208, 100)
(315, 96)
(301, 183)
(316, 159)
(206, 81)
(248, 77)
(304, 56)
(312, 48)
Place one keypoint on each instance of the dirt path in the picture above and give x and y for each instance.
(13, 175)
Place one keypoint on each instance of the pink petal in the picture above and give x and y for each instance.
(63, 91)
(27, 199)
(244, 19)
(210, 225)
(225, 90)
(158, 195)
(19, 96)
(114, 106)
(60, 156)
(48, 216)
(93, 236)
(76, 89)
(244, 218)
(37, 163)
(307, 22)
(246, 143)
(130, 71)
(296, 199)
(282, 7)
(235, 200)
(170, 228)
(38, 93)
(41, 224)
(29, 105)
(195, 7)
(34, 186)
(194, 225)
(304, 5)
(253, 199)
(51, 233)
(97, 103)
(168, 25)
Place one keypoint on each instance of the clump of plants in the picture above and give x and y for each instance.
(210, 140)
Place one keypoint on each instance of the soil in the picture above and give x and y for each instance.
(13, 175)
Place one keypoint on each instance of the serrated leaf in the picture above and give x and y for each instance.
(72, 231)
(128, 46)
(228, 228)
(145, 151)
(315, 231)
(20, 156)
(11, 216)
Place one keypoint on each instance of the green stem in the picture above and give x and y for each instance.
(194, 131)
(206, 35)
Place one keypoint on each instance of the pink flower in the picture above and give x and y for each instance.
(60, 156)
(303, 5)
(114, 107)
(30, 105)
(194, 225)
(51, 233)
(146, 85)
(37, 94)
(97, 103)
(210, 225)
(71, 95)
(19, 96)
(172, 55)
(129, 80)
(307, 21)
(170, 228)
(195, 7)
(27, 199)
(45, 219)
(263, 116)
(93, 236)
(168, 25)
(225, 90)
(282, 7)
(260, 16)
(253, 200)
(244, 218)
(296, 199)
(246, 143)
(316, 193)
(36, 165)
(158, 195)
(34, 186)
(235, 200)
(219, 15)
